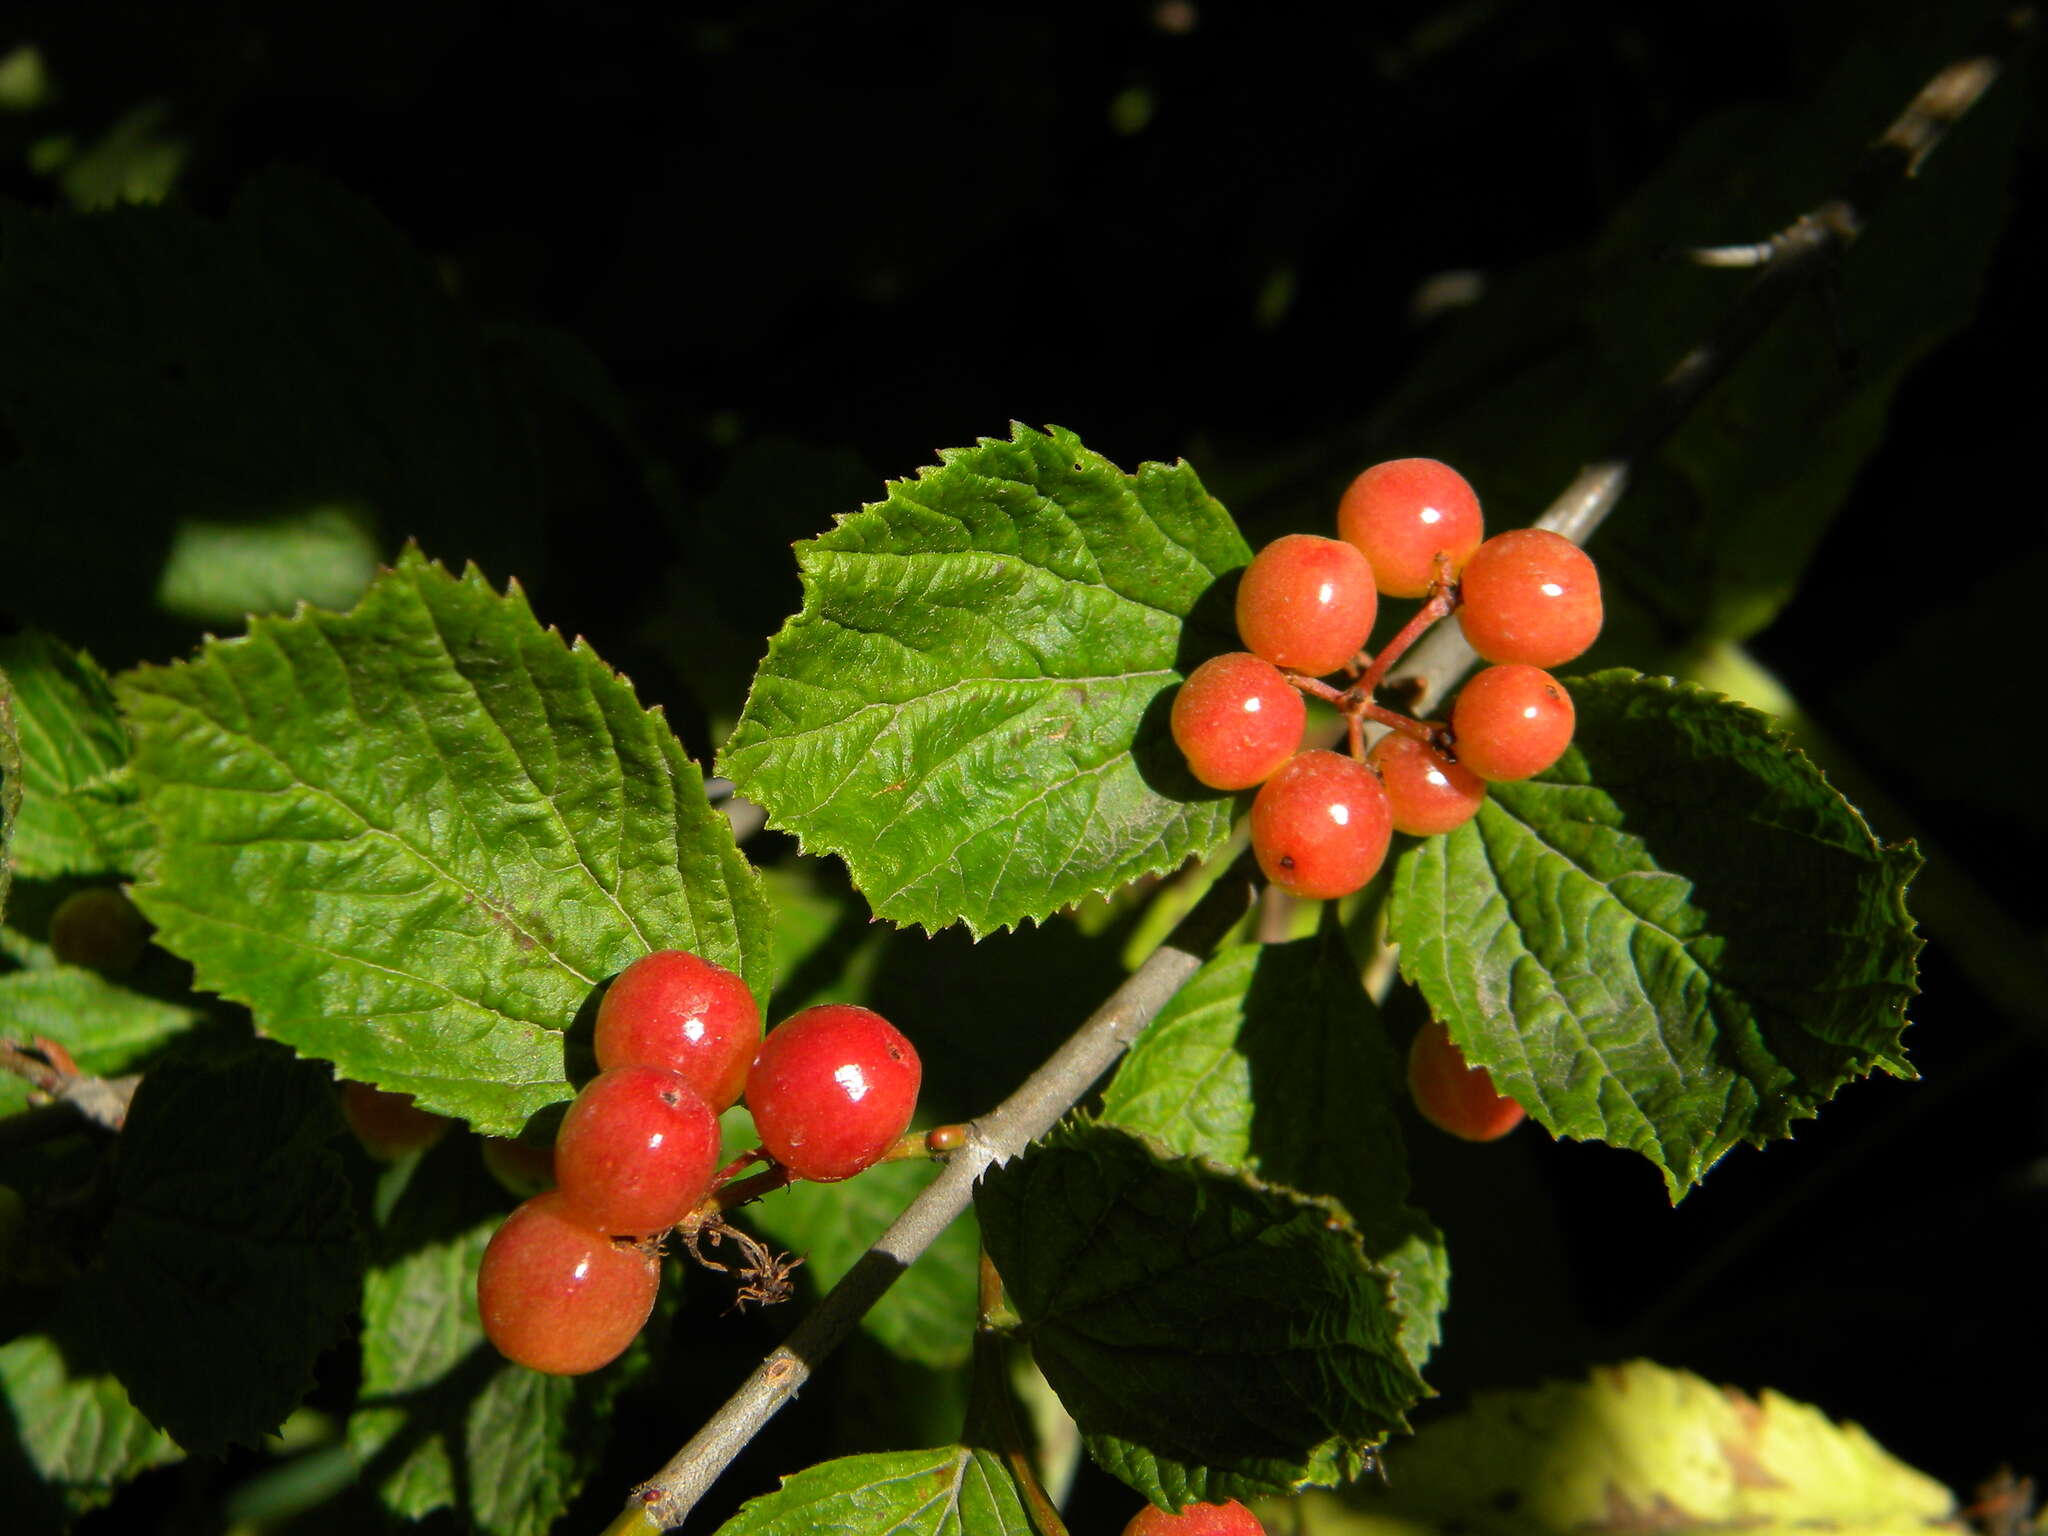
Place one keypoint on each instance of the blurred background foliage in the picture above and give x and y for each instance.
(620, 300)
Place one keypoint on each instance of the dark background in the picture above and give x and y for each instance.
(813, 243)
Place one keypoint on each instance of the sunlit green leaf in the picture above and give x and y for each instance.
(970, 709)
(1640, 1449)
(414, 838)
(1678, 939)
(948, 1491)
(77, 813)
(75, 1436)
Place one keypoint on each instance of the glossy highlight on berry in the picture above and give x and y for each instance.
(678, 1010)
(1511, 722)
(832, 1090)
(1321, 825)
(558, 1296)
(1427, 794)
(637, 1150)
(1236, 719)
(1405, 512)
(1530, 596)
(1307, 603)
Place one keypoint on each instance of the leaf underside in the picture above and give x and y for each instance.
(1678, 939)
(970, 708)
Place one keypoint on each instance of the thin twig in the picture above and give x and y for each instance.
(664, 1499)
(1796, 255)
(83, 1100)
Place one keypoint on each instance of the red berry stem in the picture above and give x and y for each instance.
(1443, 600)
(1393, 720)
(731, 1197)
(731, 1170)
(1316, 687)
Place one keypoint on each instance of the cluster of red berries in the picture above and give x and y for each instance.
(1526, 600)
(570, 1278)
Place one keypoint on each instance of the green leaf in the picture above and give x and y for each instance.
(1643, 1448)
(75, 1436)
(231, 1258)
(106, 1027)
(1272, 1059)
(1213, 1337)
(928, 1314)
(445, 1421)
(1678, 939)
(414, 838)
(948, 1491)
(970, 707)
(218, 573)
(77, 813)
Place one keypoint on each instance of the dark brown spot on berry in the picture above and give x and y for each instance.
(1287, 861)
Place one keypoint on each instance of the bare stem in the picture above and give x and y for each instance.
(994, 1398)
(1794, 257)
(1442, 599)
(664, 1499)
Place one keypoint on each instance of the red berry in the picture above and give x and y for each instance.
(1321, 825)
(1530, 596)
(1426, 792)
(559, 1296)
(1402, 514)
(1307, 603)
(1511, 722)
(1453, 1095)
(1236, 719)
(832, 1090)
(637, 1150)
(389, 1125)
(1230, 1519)
(99, 929)
(674, 1009)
